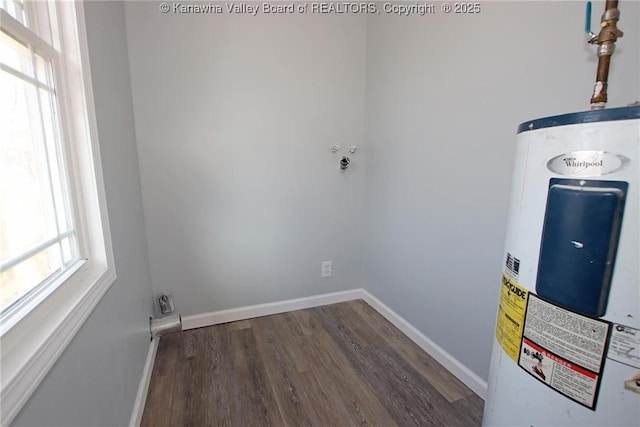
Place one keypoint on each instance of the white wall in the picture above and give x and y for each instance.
(445, 94)
(243, 200)
(234, 118)
(95, 381)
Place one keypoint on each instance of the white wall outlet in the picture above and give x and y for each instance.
(326, 268)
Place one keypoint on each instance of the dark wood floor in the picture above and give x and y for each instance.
(337, 365)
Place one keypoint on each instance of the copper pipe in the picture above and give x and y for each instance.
(605, 40)
(602, 75)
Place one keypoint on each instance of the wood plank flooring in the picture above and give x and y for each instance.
(336, 365)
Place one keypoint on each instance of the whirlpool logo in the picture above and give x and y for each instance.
(573, 162)
(587, 163)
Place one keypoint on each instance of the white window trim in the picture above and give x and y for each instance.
(31, 343)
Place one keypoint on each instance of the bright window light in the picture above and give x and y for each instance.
(37, 239)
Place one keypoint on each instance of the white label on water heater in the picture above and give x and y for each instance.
(564, 350)
(625, 345)
(587, 163)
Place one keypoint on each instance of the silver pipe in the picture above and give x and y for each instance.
(165, 325)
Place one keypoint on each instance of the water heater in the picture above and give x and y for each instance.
(567, 338)
(567, 347)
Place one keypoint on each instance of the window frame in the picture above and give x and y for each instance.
(34, 334)
(41, 48)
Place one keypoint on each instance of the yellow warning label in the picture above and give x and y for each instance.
(511, 310)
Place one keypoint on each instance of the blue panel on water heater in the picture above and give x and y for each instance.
(579, 242)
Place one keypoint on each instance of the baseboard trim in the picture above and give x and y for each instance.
(250, 312)
(143, 388)
(453, 365)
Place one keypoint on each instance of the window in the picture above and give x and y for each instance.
(55, 253)
(37, 236)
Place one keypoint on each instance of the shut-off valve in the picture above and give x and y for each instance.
(605, 39)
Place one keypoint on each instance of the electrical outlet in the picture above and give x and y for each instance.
(326, 268)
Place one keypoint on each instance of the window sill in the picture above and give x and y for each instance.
(32, 344)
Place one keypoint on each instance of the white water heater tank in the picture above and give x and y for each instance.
(567, 342)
